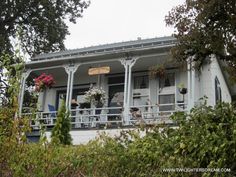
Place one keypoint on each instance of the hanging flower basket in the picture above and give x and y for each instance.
(96, 96)
(157, 71)
(43, 81)
(182, 90)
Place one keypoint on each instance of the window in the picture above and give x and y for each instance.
(218, 96)
(141, 91)
(168, 80)
(141, 82)
(116, 80)
(61, 95)
(166, 99)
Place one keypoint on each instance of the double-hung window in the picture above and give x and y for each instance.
(167, 92)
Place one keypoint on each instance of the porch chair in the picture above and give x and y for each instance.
(52, 115)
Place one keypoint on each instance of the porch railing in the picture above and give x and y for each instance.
(108, 116)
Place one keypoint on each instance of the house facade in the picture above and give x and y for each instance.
(122, 70)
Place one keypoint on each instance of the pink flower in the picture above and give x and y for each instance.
(43, 81)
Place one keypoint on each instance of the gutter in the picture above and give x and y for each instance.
(122, 52)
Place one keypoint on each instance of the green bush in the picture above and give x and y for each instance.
(205, 138)
(61, 131)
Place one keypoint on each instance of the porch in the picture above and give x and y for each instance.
(132, 96)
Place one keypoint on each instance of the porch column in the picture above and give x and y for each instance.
(22, 90)
(128, 64)
(189, 84)
(70, 70)
(193, 84)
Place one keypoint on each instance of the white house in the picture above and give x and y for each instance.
(132, 96)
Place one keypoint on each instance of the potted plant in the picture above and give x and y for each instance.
(43, 81)
(157, 71)
(182, 89)
(95, 96)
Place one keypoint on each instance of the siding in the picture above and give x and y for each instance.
(207, 82)
(84, 136)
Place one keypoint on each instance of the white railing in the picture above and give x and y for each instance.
(95, 117)
(109, 116)
(150, 114)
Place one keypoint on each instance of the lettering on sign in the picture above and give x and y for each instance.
(99, 70)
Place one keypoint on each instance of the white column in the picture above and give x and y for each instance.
(128, 64)
(22, 90)
(189, 84)
(125, 84)
(70, 70)
(125, 112)
(193, 84)
(131, 64)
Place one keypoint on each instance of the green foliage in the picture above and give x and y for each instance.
(61, 130)
(30, 99)
(205, 138)
(32, 27)
(205, 27)
(12, 138)
(40, 24)
(9, 79)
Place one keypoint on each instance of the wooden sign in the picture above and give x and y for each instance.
(100, 70)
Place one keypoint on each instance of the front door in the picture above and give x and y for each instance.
(115, 96)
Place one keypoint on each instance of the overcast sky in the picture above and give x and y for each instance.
(109, 21)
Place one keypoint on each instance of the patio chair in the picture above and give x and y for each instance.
(52, 115)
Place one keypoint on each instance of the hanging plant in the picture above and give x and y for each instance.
(43, 81)
(96, 96)
(182, 89)
(158, 70)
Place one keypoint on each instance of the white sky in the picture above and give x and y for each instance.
(109, 21)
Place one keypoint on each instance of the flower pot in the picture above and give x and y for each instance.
(98, 105)
(183, 90)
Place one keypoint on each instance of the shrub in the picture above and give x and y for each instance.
(61, 130)
(205, 138)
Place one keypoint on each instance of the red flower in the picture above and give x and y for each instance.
(43, 81)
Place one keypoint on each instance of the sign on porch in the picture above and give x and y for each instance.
(99, 70)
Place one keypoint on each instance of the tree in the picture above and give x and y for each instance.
(61, 131)
(205, 27)
(9, 79)
(41, 23)
(34, 27)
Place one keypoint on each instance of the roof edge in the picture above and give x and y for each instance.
(139, 43)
